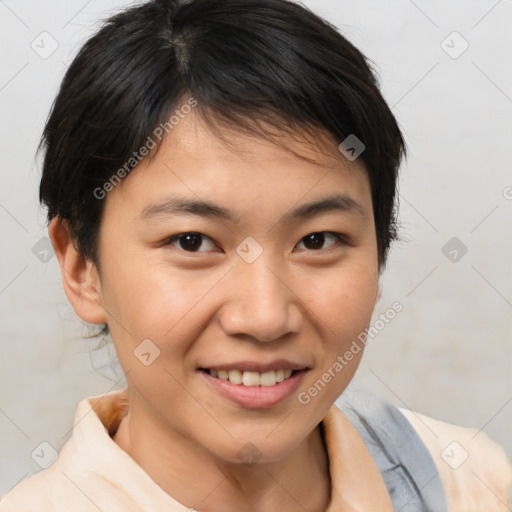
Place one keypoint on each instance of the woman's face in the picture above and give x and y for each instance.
(262, 283)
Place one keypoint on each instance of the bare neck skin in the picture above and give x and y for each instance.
(198, 479)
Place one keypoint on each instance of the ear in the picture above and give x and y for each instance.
(378, 294)
(80, 278)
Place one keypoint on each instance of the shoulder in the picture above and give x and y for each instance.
(23, 496)
(57, 488)
(430, 460)
(81, 468)
(403, 459)
(475, 471)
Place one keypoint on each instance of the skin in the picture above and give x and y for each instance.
(210, 307)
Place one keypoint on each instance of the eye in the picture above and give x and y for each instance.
(315, 241)
(189, 242)
(193, 241)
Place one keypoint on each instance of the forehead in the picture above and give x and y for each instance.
(243, 172)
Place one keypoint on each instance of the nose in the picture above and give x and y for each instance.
(261, 302)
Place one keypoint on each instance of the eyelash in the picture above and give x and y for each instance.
(340, 238)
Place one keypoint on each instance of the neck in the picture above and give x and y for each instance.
(198, 479)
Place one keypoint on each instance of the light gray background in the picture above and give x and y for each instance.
(448, 354)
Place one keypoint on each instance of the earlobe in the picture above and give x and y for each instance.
(80, 277)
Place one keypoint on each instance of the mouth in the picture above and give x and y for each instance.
(252, 389)
(251, 378)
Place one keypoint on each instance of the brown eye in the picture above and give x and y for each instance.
(315, 241)
(188, 242)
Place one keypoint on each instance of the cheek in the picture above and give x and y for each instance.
(152, 294)
(342, 302)
(156, 302)
(343, 298)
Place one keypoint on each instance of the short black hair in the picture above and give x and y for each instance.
(247, 63)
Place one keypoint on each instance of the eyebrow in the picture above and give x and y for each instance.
(183, 206)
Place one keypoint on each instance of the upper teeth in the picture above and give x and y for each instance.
(252, 378)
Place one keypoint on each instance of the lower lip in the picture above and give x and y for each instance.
(256, 397)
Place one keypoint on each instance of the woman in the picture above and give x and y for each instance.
(220, 178)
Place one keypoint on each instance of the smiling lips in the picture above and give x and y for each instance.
(253, 389)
